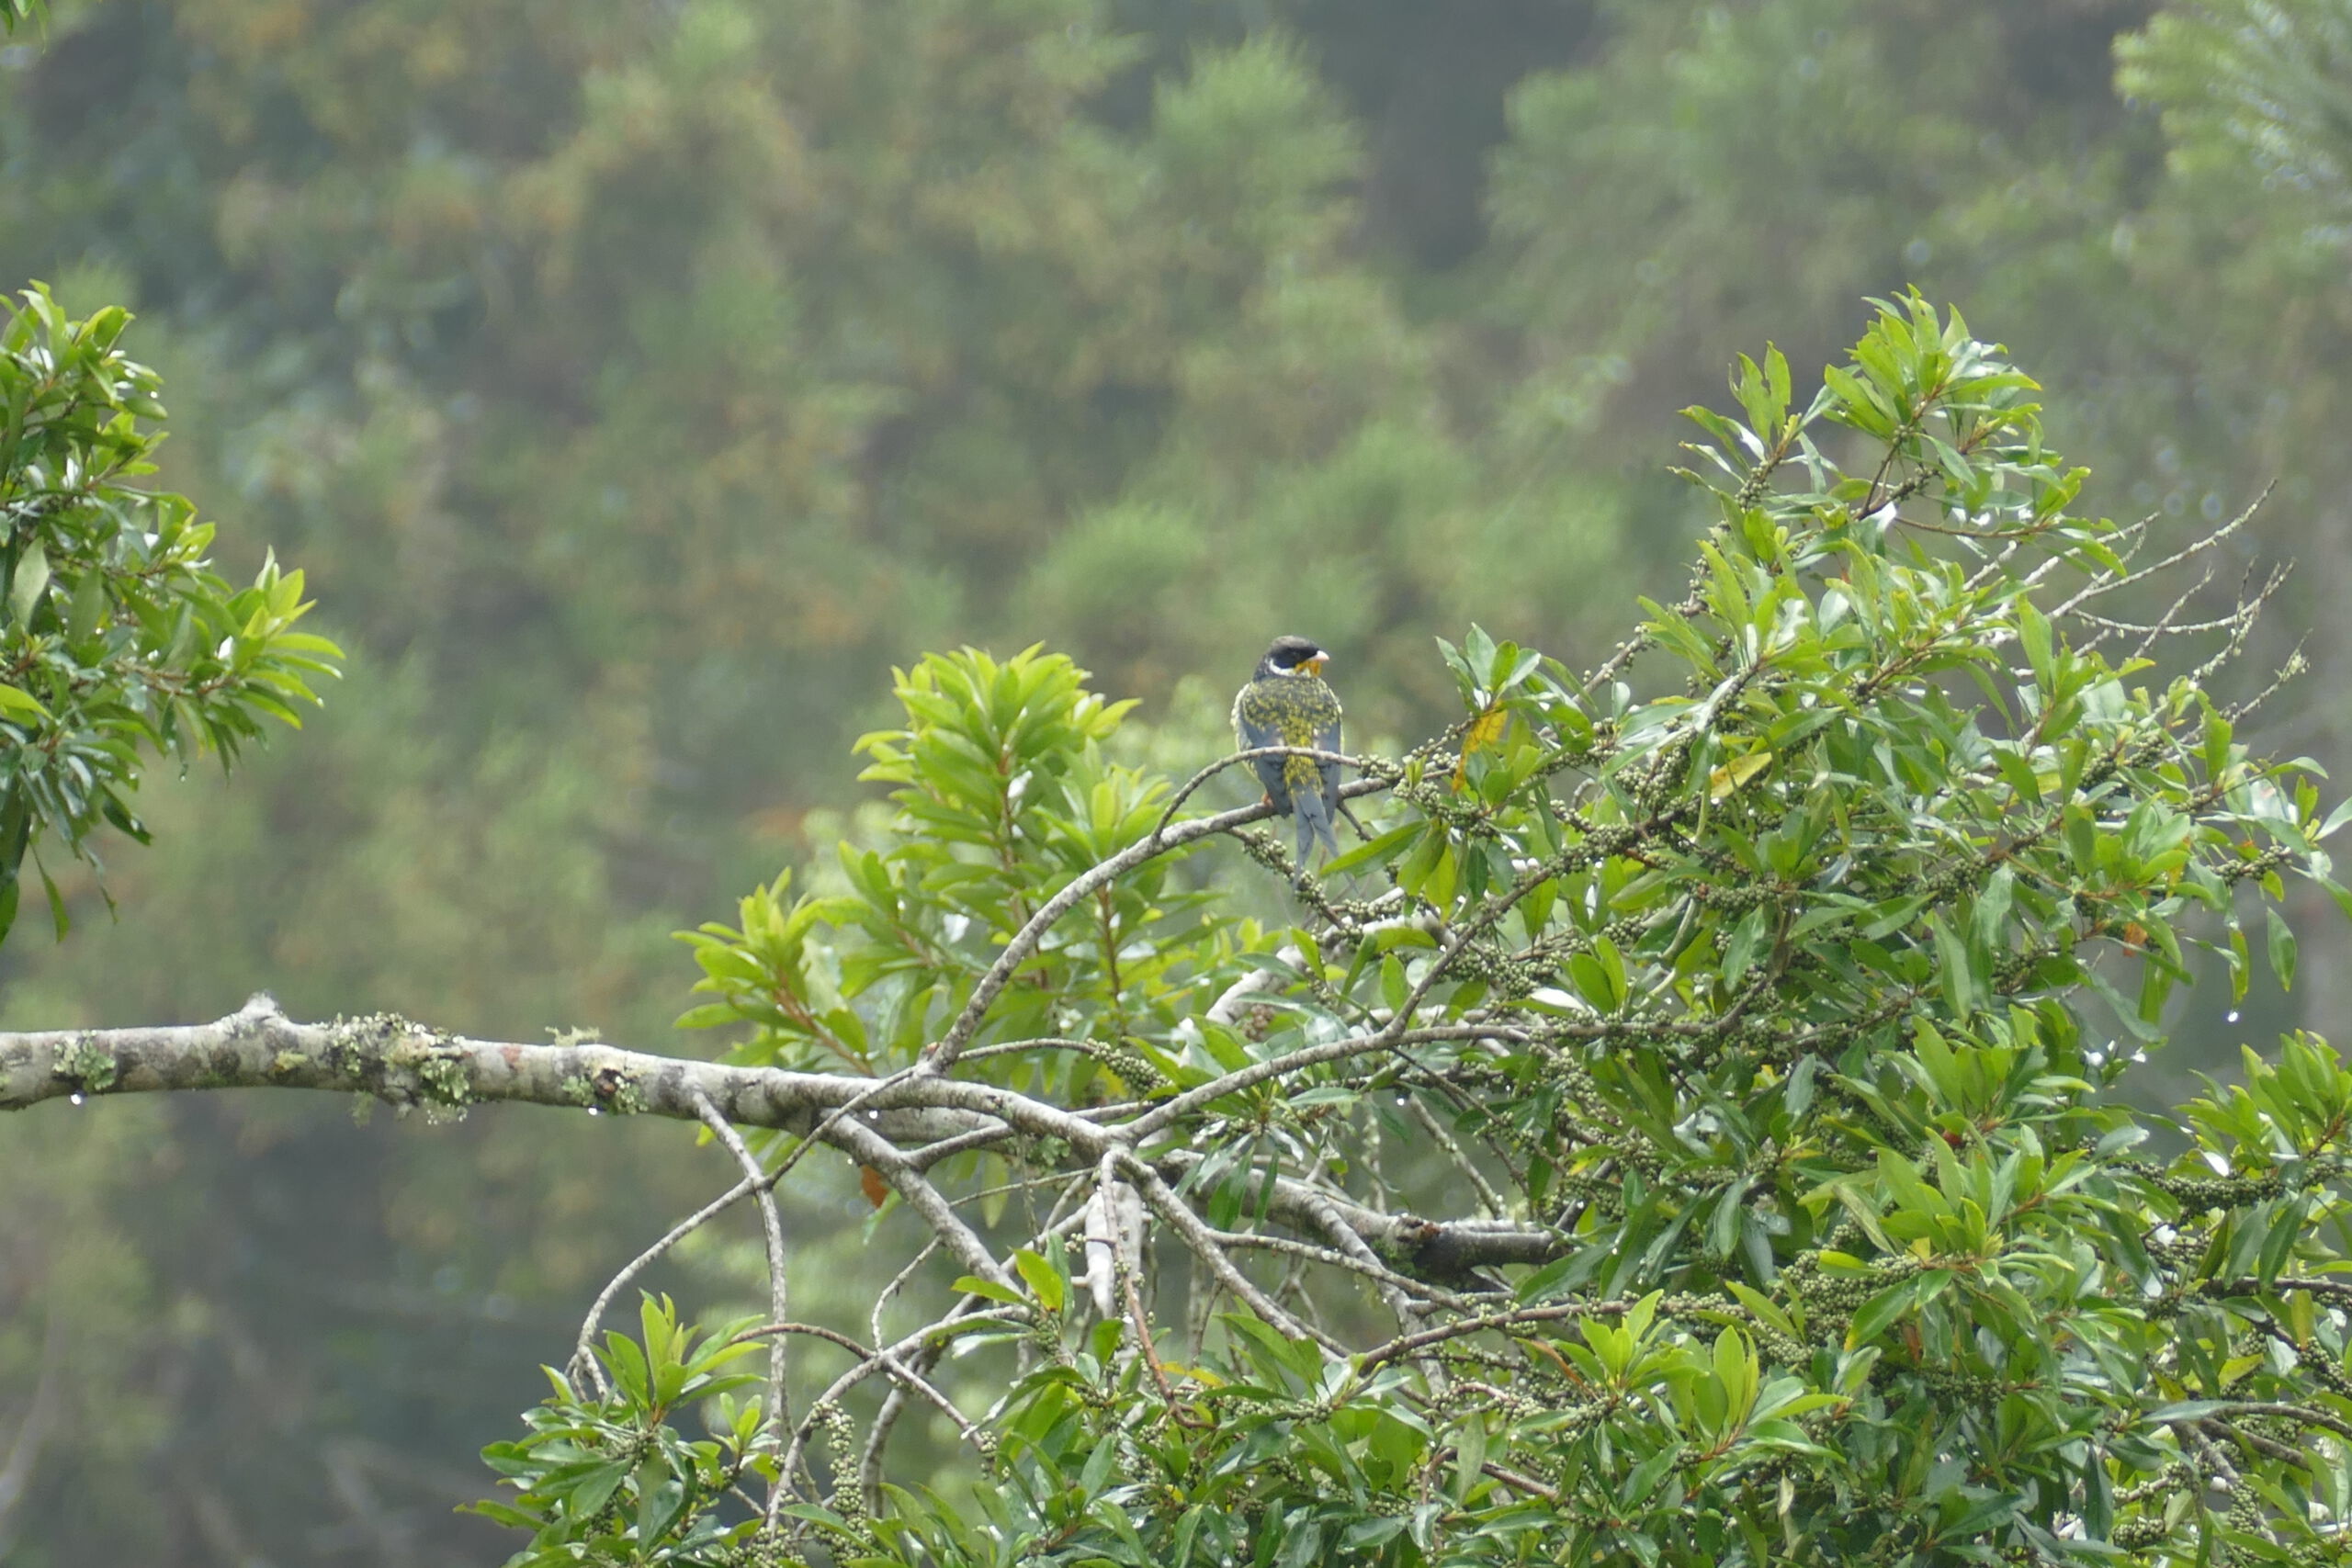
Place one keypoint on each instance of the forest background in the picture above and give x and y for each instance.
(638, 382)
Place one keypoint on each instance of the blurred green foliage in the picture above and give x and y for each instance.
(638, 384)
(2246, 85)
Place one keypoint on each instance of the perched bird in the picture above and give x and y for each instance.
(1286, 703)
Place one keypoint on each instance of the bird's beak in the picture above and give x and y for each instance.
(1314, 666)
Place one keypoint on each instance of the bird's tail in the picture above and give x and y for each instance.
(1313, 814)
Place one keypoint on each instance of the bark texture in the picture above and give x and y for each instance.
(407, 1064)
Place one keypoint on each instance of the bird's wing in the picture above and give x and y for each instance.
(1256, 716)
(1257, 721)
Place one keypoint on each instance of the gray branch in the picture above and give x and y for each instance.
(406, 1065)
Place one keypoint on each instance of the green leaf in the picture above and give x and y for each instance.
(58, 916)
(1382, 848)
(1881, 1310)
(1766, 1310)
(973, 1285)
(1537, 1286)
(1044, 1280)
(2281, 944)
(1722, 1231)
(2033, 633)
(21, 704)
(2188, 1410)
(88, 607)
(1470, 1458)
(1739, 952)
(1955, 968)
(25, 587)
(1993, 909)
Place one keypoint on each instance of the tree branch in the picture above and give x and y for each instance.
(779, 1422)
(584, 1360)
(1442, 1249)
(406, 1065)
(1025, 940)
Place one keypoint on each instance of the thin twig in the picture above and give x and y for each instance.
(1489, 1198)
(2098, 588)
(583, 1357)
(1526, 1483)
(1196, 1234)
(1253, 754)
(1023, 944)
(1413, 1344)
(966, 1316)
(1387, 1039)
(779, 1420)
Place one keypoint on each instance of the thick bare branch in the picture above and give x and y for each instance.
(1439, 1249)
(963, 1244)
(406, 1064)
(1352, 1261)
(1342, 1235)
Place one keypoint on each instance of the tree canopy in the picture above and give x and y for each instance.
(636, 385)
(1685, 1130)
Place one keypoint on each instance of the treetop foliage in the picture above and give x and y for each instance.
(118, 636)
(1686, 1130)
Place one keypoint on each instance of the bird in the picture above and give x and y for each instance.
(1286, 703)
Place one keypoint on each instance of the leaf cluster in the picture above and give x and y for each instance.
(609, 1480)
(1715, 1090)
(116, 636)
(1005, 793)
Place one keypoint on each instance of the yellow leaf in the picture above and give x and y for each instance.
(1736, 773)
(1486, 731)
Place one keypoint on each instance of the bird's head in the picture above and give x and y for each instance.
(1293, 656)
